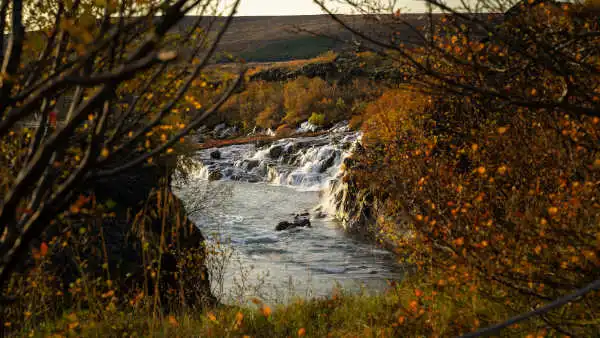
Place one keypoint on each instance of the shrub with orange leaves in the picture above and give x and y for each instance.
(507, 194)
(521, 217)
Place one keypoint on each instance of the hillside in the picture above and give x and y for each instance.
(276, 38)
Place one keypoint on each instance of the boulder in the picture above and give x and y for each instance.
(215, 175)
(320, 214)
(328, 163)
(251, 164)
(300, 221)
(215, 155)
(219, 128)
(275, 152)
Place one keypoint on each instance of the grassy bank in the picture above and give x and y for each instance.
(410, 309)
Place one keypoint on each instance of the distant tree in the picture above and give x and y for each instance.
(88, 90)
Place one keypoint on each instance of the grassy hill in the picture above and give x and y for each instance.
(276, 38)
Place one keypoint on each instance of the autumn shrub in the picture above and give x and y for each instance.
(269, 104)
(94, 263)
(302, 96)
(317, 119)
(502, 201)
(488, 163)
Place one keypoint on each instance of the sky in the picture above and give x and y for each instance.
(298, 7)
(278, 7)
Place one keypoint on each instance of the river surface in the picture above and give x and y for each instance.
(259, 187)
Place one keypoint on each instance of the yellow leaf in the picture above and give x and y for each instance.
(301, 332)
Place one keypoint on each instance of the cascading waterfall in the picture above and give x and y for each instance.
(335, 195)
(306, 163)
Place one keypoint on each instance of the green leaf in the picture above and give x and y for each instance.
(110, 204)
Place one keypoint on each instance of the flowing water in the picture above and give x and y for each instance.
(259, 187)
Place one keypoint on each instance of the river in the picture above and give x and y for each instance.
(259, 187)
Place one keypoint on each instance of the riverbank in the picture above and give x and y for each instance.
(256, 139)
(413, 308)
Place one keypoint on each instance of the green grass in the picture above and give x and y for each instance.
(305, 47)
(403, 311)
(339, 316)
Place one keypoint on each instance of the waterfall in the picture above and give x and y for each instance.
(336, 195)
(305, 163)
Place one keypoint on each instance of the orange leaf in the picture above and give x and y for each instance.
(239, 317)
(266, 311)
(173, 321)
(43, 249)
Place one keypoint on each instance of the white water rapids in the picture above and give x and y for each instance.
(240, 193)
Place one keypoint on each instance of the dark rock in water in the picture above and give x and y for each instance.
(321, 214)
(215, 155)
(261, 143)
(300, 221)
(215, 175)
(251, 164)
(275, 152)
(284, 226)
(228, 172)
(328, 163)
(244, 177)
